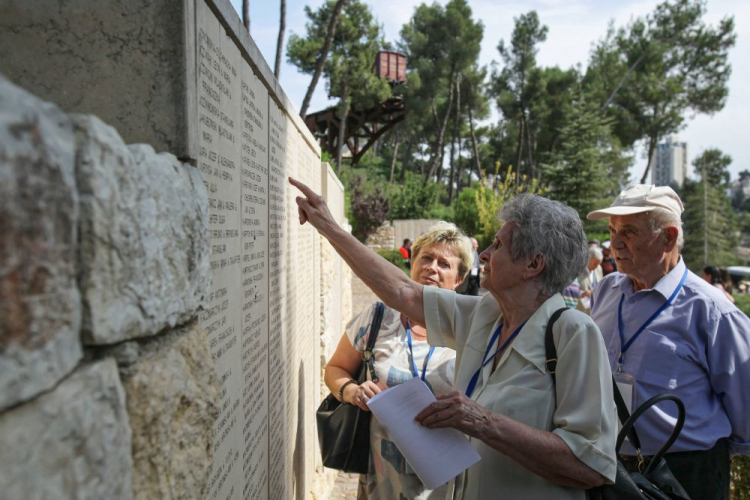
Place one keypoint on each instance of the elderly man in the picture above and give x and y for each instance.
(668, 331)
(589, 279)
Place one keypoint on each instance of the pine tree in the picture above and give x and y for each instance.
(709, 222)
(578, 172)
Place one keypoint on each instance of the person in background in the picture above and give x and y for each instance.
(572, 294)
(474, 278)
(405, 251)
(594, 243)
(669, 331)
(713, 275)
(536, 438)
(589, 279)
(442, 257)
(608, 264)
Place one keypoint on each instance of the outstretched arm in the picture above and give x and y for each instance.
(387, 281)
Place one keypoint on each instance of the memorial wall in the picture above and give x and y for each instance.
(194, 84)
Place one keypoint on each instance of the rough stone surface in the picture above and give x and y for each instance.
(144, 237)
(172, 396)
(121, 60)
(383, 238)
(39, 301)
(70, 443)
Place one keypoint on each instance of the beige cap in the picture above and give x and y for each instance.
(641, 198)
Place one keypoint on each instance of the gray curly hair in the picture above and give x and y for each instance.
(550, 228)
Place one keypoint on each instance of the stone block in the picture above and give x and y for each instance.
(144, 244)
(70, 443)
(172, 397)
(39, 301)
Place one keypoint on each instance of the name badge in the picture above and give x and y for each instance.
(626, 384)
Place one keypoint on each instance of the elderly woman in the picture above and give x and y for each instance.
(440, 258)
(537, 438)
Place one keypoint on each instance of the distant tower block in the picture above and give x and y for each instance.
(670, 163)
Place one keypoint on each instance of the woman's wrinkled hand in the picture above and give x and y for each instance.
(455, 410)
(359, 395)
(312, 208)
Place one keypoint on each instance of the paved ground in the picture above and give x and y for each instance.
(345, 487)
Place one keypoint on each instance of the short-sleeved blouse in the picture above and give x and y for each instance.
(579, 407)
(389, 476)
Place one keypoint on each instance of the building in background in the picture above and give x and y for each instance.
(670, 163)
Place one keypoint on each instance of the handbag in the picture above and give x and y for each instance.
(652, 478)
(344, 429)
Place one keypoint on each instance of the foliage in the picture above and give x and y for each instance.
(709, 226)
(519, 84)
(395, 258)
(465, 209)
(713, 164)
(490, 199)
(415, 199)
(740, 471)
(368, 210)
(580, 173)
(659, 68)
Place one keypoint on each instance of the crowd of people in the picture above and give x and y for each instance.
(628, 309)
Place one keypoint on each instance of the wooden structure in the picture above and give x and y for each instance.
(363, 127)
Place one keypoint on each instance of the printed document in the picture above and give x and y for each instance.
(436, 455)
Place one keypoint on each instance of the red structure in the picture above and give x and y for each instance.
(363, 127)
(391, 65)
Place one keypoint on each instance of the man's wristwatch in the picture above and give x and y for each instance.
(343, 386)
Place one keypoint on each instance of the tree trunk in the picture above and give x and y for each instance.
(456, 136)
(438, 153)
(475, 149)
(246, 14)
(280, 41)
(519, 151)
(322, 57)
(393, 160)
(529, 146)
(343, 112)
(652, 140)
(407, 155)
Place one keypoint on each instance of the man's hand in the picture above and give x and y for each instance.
(459, 412)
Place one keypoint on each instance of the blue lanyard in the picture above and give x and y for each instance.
(624, 346)
(411, 351)
(485, 359)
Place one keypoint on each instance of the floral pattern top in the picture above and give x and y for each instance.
(389, 476)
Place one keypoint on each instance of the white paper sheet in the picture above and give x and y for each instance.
(436, 455)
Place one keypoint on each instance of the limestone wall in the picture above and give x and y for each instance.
(165, 304)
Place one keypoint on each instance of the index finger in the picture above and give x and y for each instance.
(309, 193)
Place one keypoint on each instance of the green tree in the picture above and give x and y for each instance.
(579, 173)
(653, 72)
(709, 222)
(440, 44)
(348, 69)
(311, 53)
(518, 84)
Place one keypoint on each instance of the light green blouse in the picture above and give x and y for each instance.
(579, 408)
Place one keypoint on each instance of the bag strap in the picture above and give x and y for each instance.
(367, 356)
(628, 425)
(551, 364)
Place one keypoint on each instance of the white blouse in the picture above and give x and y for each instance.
(579, 407)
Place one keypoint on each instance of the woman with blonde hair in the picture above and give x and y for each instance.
(440, 258)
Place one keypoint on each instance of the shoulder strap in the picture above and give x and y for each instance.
(377, 320)
(551, 364)
(367, 356)
(549, 343)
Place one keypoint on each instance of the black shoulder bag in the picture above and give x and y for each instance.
(344, 429)
(653, 479)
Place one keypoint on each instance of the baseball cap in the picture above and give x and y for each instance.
(641, 198)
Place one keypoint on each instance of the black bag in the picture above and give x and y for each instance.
(652, 478)
(344, 429)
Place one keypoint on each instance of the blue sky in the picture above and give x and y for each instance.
(574, 25)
